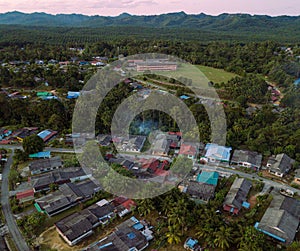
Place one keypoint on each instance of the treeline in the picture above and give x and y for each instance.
(43, 114)
(250, 88)
(253, 57)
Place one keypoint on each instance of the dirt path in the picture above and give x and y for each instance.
(51, 238)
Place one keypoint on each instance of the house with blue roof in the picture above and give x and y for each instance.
(216, 153)
(40, 155)
(131, 235)
(192, 244)
(184, 97)
(297, 82)
(4, 133)
(47, 135)
(73, 95)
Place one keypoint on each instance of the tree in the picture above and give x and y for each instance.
(53, 187)
(251, 240)
(145, 206)
(33, 144)
(173, 235)
(223, 237)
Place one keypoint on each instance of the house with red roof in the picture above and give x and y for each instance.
(161, 172)
(24, 196)
(150, 164)
(123, 205)
(188, 151)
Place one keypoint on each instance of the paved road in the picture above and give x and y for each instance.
(51, 149)
(268, 183)
(10, 220)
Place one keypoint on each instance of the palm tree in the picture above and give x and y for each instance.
(251, 240)
(145, 207)
(223, 237)
(173, 235)
(205, 232)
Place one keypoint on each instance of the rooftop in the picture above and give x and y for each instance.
(280, 163)
(76, 225)
(238, 193)
(217, 152)
(254, 158)
(208, 178)
(281, 219)
(45, 163)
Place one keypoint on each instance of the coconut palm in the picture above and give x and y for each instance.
(145, 207)
(251, 240)
(223, 237)
(173, 235)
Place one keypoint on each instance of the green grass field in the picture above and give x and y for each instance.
(199, 74)
(216, 75)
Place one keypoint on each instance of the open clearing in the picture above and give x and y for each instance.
(216, 75)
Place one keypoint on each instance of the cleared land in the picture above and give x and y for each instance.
(216, 75)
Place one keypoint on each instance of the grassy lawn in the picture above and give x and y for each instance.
(199, 74)
(216, 75)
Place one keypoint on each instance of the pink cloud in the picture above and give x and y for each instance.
(147, 7)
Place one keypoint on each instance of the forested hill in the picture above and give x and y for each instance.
(224, 22)
(237, 27)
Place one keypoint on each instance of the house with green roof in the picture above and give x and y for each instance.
(203, 188)
(43, 94)
(210, 178)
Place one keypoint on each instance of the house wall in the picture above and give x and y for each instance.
(74, 242)
(297, 181)
(276, 173)
(80, 178)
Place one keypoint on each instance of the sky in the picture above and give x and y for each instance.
(149, 7)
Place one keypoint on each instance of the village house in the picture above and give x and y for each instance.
(192, 244)
(237, 196)
(280, 164)
(24, 132)
(40, 155)
(281, 219)
(131, 235)
(47, 135)
(73, 95)
(76, 227)
(45, 165)
(297, 177)
(67, 196)
(25, 196)
(104, 140)
(59, 177)
(161, 145)
(123, 206)
(131, 144)
(103, 210)
(188, 151)
(4, 133)
(215, 153)
(203, 188)
(247, 159)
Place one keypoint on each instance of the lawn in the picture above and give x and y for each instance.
(199, 74)
(216, 75)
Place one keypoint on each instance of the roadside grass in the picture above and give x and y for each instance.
(10, 242)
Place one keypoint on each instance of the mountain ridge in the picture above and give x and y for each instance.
(176, 19)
